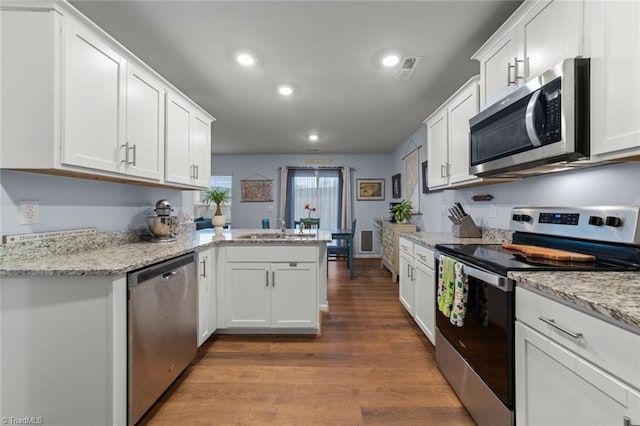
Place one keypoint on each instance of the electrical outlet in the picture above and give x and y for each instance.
(493, 211)
(29, 212)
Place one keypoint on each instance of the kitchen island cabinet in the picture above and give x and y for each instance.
(272, 289)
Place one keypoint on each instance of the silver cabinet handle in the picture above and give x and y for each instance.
(408, 271)
(266, 273)
(448, 172)
(509, 68)
(197, 169)
(553, 324)
(126, 153)
(273, 278)
(626, 421)
(204, 268)
(412, 269)
(441, 170)
(529, 119)
(517, 76)
(133, 148)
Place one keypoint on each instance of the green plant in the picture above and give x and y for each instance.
(218, 196)
(402, 211)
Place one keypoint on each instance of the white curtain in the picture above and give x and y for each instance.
(284, 171)
(345, 214)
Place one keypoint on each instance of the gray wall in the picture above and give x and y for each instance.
(248, 215)
(615, 184)
(71, 203)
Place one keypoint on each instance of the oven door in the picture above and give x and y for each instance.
(486, 340)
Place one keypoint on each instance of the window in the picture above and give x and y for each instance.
(318, 188)
(201, 210)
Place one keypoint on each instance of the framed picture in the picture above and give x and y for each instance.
(395, 186)
(370, 189)
(425, 175)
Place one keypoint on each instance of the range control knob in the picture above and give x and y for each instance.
(516, 217)
(596, 221)
(525, 218)
(613, 221)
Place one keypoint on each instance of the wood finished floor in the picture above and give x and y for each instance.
(370, 365)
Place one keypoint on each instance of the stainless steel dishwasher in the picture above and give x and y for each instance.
(162, 329)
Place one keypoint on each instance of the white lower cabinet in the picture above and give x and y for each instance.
(271, 295)
(206, 295)
(417, 285)
(555, 384)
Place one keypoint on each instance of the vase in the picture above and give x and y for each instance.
(218, 222)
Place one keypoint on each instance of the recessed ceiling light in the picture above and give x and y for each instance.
(285, 90)
(313, 137)
(390, 60)
(245, 59)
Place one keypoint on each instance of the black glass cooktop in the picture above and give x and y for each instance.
(497, 259)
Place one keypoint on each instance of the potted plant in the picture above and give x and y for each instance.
(218, 196)
(402, 211)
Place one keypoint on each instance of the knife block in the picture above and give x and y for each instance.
(466, 229)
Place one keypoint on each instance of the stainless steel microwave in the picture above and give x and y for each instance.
(545, 121)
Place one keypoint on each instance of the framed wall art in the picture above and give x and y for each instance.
(412, 178)
(370, 189)
(396, 189)
(256, 190)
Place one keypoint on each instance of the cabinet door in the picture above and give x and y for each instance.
(204, 296)
(497, 69)
(438, 154)
(556, 387)
(178, 169)
(461, 109)
(145, 124)
(201, 150)
(94, 96)
(615, 67)
(294, 300)
(406, 282)
(550, 32)
(248, 294)
(425, 314)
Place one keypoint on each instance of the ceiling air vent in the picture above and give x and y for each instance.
(409, 64)
(312, 149)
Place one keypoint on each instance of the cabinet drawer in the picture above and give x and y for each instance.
(609, 347)
(405, 246)
(423, 255)
(267, 253)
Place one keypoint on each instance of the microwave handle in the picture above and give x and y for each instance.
(529, 119)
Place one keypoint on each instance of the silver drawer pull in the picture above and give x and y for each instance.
(626, 421)
(553, 324)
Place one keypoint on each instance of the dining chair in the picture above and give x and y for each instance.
(340, 248)
(310, 223)
(265, 223)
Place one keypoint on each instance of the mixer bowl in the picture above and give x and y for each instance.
(162, 226)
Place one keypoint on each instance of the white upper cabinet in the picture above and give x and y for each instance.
(77, 102)
(538, 35)
(94, 95)
(188, 158)
(614, 47)
(448, 139)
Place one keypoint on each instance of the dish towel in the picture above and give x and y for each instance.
(461, 291)
(446, 285)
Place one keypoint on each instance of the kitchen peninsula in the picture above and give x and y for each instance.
(64, 318)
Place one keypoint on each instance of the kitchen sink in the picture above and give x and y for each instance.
(274, 236)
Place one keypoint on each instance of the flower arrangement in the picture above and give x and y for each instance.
(311, 209)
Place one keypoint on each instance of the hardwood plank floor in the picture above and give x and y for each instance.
(370, 365)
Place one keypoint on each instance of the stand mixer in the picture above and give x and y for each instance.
(163, 225)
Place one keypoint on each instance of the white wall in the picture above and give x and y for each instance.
(615, 184)
(249, 215)
(72, 203)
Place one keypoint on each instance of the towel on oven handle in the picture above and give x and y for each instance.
(453, 289)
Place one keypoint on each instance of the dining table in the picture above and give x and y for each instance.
(346, 235)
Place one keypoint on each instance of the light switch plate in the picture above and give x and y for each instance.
(29, 212)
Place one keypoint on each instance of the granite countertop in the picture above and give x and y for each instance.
(430, 239)
(613, 296)
(120, 259)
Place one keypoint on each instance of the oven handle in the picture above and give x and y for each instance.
(498, 281)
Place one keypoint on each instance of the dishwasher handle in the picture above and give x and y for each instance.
(165, 270)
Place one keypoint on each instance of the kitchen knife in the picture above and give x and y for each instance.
(453, 213)
(458, 214)
(454, 220)
(459, 206)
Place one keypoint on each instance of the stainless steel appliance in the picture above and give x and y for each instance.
(163, 225)
(478, 358)
(162, 329)
(546, 121)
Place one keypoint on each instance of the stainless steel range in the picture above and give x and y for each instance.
(477, 358)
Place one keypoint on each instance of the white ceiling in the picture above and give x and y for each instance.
(327, 50)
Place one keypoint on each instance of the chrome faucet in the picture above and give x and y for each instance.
(283, 226)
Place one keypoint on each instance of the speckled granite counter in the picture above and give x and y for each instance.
(123, 258)
(613, 296)
(430, 239)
